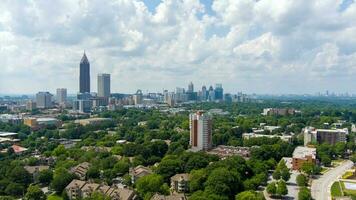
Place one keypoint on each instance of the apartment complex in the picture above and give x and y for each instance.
(303, 155)
(138, 172)
(81, 170)
(278, 111)
(200, 131)
(330, 136)
(78, 189)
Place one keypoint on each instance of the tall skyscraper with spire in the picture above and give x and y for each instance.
(84, 75)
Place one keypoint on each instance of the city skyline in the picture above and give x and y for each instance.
(251, 46)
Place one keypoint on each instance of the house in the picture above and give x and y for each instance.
(81, 170)
(138, 172)
(180, 183)
(78, 189)
(169, 197)
(303, 155)
(35, 171)
(18, 149)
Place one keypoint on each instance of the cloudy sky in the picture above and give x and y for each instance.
(263, 46)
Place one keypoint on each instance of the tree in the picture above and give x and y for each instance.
(151, 184)
(281, 171)
(285, 174)
(34, 193)
(340, 149)
(197, 180)
(196, 161)
(276, 175)
(302, 180)
(271, 188)
(200, 195)
(97, 196)
(20, 175)
(222, 181)
(93, 172)
(168, 167)
(59, 150)
(249, 195)
(304, 194)
(45, 176)
(310, 168)
(121, 167)
(326, 160)
(281, 188)
(14, 189)
(61, 179)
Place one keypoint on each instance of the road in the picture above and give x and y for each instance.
(320, 188)
(292, 186)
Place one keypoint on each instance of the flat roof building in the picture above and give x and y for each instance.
(303, 155)
(200, 131)
(104, 85)
(91, 121)
(44, 100)
(330, 136)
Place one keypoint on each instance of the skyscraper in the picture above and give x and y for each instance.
(219, 92)
(203, 93)
(61, 96)
(211, 94)
(200, 131)
(190, 87)
(84, 75)
(44, 100)
(138, 97)
(104, 85)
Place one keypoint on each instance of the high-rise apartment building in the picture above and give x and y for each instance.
(61, 96)
(44, 100)
(84, 75)
(200, 131)
(104, 85)
(330, 136)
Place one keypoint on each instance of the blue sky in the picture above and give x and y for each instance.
(265, 46)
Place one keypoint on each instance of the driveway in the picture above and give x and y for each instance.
(320, 188)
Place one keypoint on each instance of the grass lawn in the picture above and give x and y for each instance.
(54, 197)
(336, 190)
(347, 174)
(324, 170)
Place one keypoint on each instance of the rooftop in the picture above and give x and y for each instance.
(301, 152)
(7, 134)
(179, 177)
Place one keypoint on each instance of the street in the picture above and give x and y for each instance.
(320, 188)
